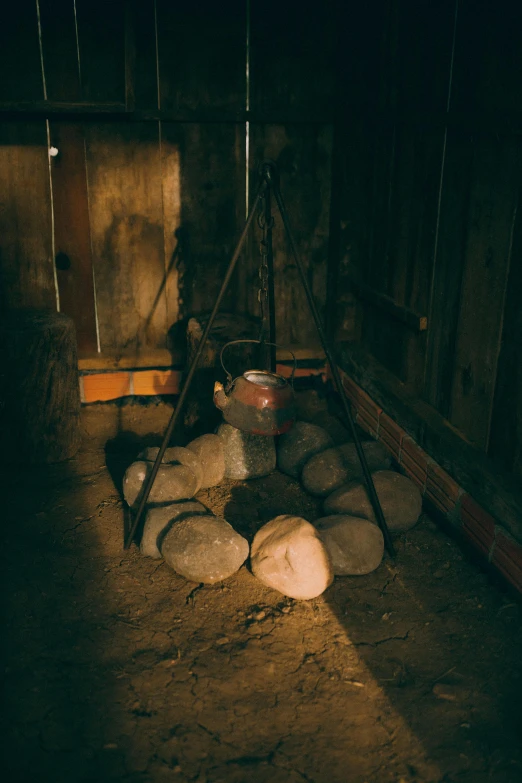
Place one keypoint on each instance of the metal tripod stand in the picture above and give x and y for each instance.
(269, 184)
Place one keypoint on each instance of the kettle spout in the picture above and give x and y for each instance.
(220, 398)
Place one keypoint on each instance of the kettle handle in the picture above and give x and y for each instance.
(259, 342)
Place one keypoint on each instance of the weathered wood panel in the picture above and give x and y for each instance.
(488, 57)
(505, 442)
(101, 35)
(72, 236)
(60, 51)
(292, 59)
(20, 66)
(26, 263)
(493, 200)
(208, 162)
(202, 57)
(143, 23)
(303, 156)
(125, 199)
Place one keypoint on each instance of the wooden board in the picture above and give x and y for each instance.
(204, 196)
(60, 51)
(488, 57)
(101, 35)
(202, 57)
(303, 156)
(505, 442)
(447, 277)
(145, 63)
(292, 57)
(72, 236)
(125, 201)
(26, 263)
(20, 64)
(493, 201)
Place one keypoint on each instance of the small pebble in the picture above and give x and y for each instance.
(223, 640)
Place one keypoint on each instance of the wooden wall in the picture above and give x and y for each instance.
(430, 148)
(131, 226)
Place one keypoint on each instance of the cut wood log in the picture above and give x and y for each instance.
(39, 391)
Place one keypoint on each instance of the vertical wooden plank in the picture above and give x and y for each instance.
(292, 60)
(60, 50)
(494, 196)
(211, 162)
(125, 204)
(72, 237)
(20, 63)
(202, 56)
(488, 57)
(26, 264)
(145, 68)
(101, 34)
(303, 156)
(505, 443)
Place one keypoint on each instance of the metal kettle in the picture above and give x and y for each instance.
(259, 401)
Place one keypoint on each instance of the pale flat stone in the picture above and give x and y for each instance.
(173, 482)
(160, 519)
(355, 545)
(329, 470)
(210, 451)
(288, 555)
(400, 500)
(204, 549)
(246, 456)
(176, 455)
(300, 443)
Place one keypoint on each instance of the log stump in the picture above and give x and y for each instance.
(39, 389)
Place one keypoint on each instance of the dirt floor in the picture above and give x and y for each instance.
(118, 669)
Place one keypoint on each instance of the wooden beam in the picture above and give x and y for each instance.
(419, 323)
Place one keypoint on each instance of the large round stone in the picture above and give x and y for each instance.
(330, 469)
(204, 549)
(246, 456)
(210, 451)
(296, 447)
(355, 545)
(176, 455)
(159, 520)
(173, 482)
(288, 555)
(400, 500)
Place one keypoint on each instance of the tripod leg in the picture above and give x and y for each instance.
(333, 367)
(186, 386)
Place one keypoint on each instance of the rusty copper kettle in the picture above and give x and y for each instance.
(259, 401)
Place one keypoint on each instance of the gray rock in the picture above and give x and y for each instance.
(400, 499)
(355, 545)
(204, 549)
(176, 455)
(329, 470)
(296, 447)
(289, 556)
(173, 482)
(210, 451)
(159, 521)
(246, 456)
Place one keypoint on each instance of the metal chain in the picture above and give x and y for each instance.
(262, 293)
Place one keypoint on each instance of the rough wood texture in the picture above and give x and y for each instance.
(202, 57)
(61, 57)
(39, 392)
(101, 38)
(491, 214)
(72, 236)
(303, 156)
(292, 60)
(207, 161)
(26, 263)
(124, 179)
(20, 53)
